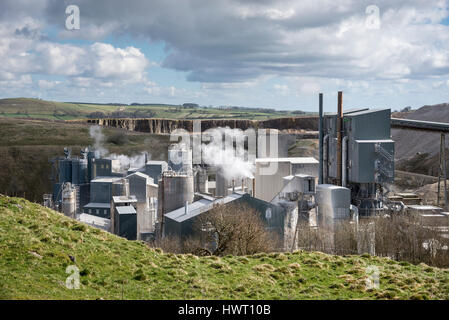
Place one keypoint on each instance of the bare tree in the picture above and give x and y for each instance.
(233, 229)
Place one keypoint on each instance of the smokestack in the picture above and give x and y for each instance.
(321, 134)
(339, 136)
(233, 185)
(243, 185)
(186, 211)
(254, 187)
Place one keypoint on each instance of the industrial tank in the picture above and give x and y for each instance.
(333, 205)
(179, 158)
(175, 189)
(69, 200)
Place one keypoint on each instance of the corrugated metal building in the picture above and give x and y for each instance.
(271, 171)
(180, 222)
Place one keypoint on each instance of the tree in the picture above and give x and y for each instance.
(232, 229)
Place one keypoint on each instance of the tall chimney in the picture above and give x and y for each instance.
(339, 136)
(321, 134)
(254, 187)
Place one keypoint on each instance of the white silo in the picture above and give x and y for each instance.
(69, 200)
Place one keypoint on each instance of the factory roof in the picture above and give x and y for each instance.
(198, 207)
(294, 160)
(157, 162)
(124, 199)
(125, 210)
(102, 205)
(106, 179)
(142, 175)
(102, 223)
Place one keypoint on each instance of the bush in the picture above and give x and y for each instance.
(119, 139)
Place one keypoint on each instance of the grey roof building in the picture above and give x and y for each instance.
(180, 222)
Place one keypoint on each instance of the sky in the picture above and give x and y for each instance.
(254, 53)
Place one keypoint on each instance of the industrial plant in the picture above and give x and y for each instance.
(351, 183)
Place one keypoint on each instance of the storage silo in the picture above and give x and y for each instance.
(175, 189)
(179, 158)
(202, 185)
(69, 200)
(65, 170)
(333, 204)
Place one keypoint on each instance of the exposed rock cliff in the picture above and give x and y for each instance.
(167, 125)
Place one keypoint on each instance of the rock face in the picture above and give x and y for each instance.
(167, 125)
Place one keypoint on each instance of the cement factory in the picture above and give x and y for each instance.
(350, 182)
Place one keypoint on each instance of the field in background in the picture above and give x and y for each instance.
(41, 109)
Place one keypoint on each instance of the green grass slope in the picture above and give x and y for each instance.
(42, 109)
(35, 245)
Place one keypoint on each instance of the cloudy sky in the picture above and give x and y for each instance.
(258, 53)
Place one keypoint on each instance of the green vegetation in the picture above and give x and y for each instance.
(41, 109)
(38, 244)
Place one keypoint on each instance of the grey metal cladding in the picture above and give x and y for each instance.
(363, 158)
(368, 125)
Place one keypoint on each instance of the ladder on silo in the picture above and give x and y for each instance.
(77, 187)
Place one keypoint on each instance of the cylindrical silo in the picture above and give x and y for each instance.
(69, 200)
(65, 170)
(175, 190)
(179, 158)
(202, 181)
(333, 204)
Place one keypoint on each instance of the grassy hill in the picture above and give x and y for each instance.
(41, 109)
(36, 244)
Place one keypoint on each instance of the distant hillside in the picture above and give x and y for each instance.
(41, 109)
(409, 143)
(38, 244)
(26, 146)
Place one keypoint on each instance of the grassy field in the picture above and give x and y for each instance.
(36, 244)
(41, 109)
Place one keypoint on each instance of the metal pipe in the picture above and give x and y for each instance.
(339, 135)
(254, 187)
(343, 162)
(325, 157)
(320, 129)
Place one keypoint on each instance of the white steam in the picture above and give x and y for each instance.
(229, 155)
(122, 162)
(97, 134)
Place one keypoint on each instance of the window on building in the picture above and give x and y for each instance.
(90, 210)
(105, 212)
(97, 211)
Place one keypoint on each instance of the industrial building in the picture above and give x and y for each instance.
(180, 223)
